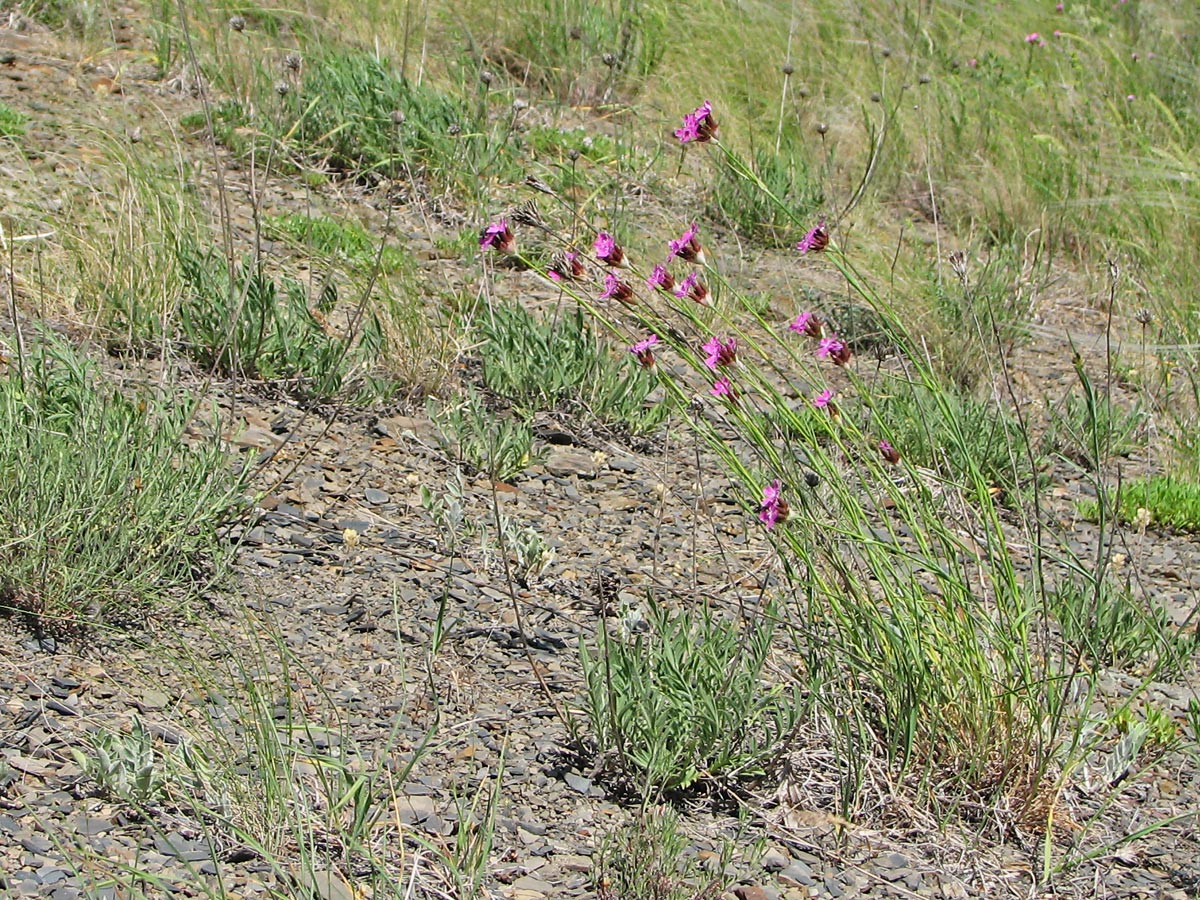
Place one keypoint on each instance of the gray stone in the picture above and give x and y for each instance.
(49, 874)
(377, 497)
(578, 783)
(327, 884)
(798, 873)
(36, 843)
(774, 860)
(566, 461)
(91, 826)
(530, 883)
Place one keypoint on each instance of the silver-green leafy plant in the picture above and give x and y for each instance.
(448, 510)
(126, 512)
(563, 364)
(527, 548)
(487, 442)
(682, 702)
(125, 766)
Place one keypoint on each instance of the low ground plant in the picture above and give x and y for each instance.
(240, 321)
(1090, 432)
(1160, 500)
(560, 363)
(645, 858)
(1107, 623)
(739, 204)
(681, 702)
(484, 440)
(109, 508)
(12, 123)
(583, 53)
(343, 241)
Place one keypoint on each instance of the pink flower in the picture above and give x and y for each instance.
(808, 323)
(834, 349)
(719, 353)
(687, 247)
(616, 289)
(566, 266)
(889, 453)
(499, 236)
(972, 63)
(660, 279)
(722, 387)
(644, 351)
(816, 240)
(823, 399)
(693, 287)
(1033, 38)
(1058, 7)
(608, 251)
(698, 125)
(774, 508)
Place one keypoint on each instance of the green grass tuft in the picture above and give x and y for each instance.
(12, 123)
(1169, 503)
(106, 507)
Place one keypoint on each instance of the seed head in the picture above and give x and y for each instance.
(293, 61)
(237, 23)
(958, 264)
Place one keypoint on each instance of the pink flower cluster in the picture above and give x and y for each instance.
(829, 346)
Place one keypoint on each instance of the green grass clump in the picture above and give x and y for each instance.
(682, 703)
(105, 509)
(647, 858)
(230, 124)
(500, 446)
(540, 364)
(952, 433)
(12, 123)
(1087, 433)
(1111, 627)
(1168, 502)
(257, 327)
(346, 113)
(744, 207)
(332, 238)
(581, 52)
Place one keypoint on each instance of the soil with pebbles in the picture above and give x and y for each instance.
(344, 582)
